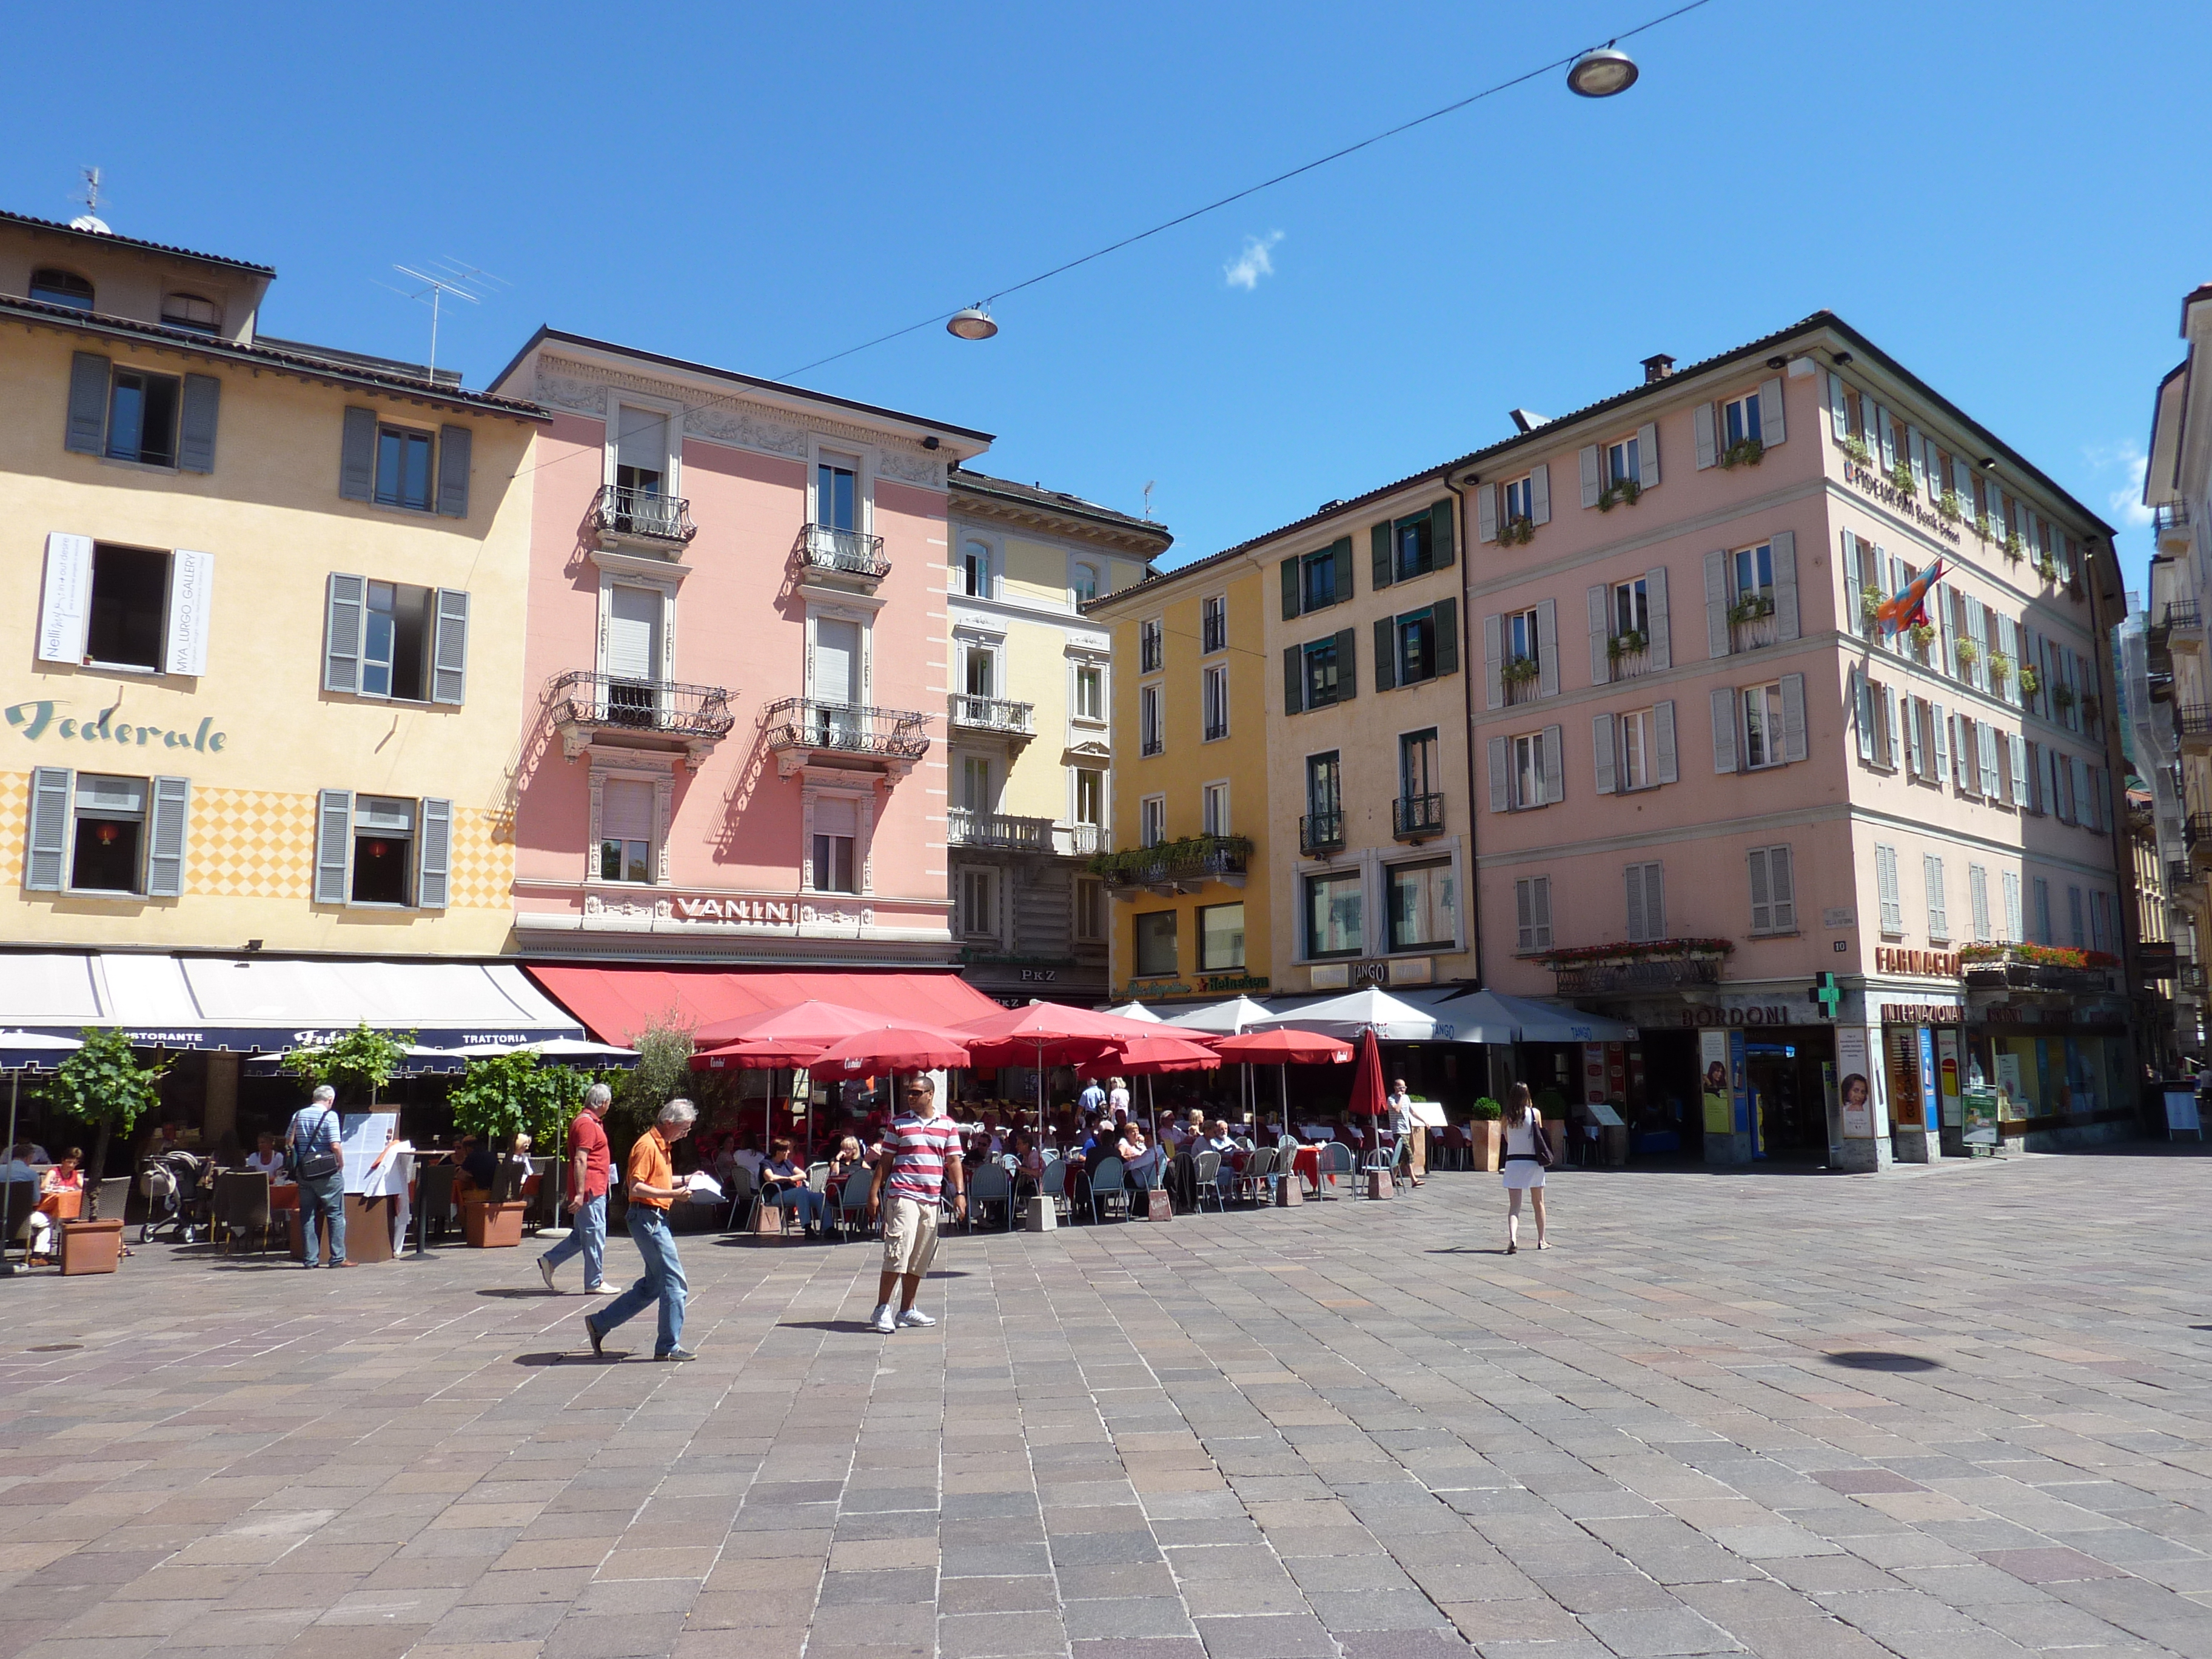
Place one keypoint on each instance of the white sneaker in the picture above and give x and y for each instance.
(882, 1320)
(915, 1317)
(545, 1272)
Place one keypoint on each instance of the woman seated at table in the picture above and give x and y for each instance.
(61, 1193)
(848, 1157)
(783, 1183)
(266, 1159)
(1138, 1155)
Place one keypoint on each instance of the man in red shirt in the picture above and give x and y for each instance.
(586, 1202)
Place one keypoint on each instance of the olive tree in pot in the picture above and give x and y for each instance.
(498, 1098)
(102, 1084)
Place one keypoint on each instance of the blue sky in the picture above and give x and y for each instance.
(2003, 196)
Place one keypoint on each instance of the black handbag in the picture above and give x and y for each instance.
(311, 1162)
(1541, 1141)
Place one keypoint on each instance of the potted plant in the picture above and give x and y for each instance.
(1751, 607)
(1745, 451)
(1871, 600)
(1921, 633)
(1631, 644)
(1968, 652)
(498, 1098)
(1900, 476)
(1520, 671)
(1856, 447)
(102, 1084)
(1984, 528)
(2061, 696)
(2030, 681)
(1485, 1134)
(1621, 489)
(1520, 528)
(2000, 669)
(1948, 505)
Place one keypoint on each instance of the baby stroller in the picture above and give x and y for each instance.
(178, 1195)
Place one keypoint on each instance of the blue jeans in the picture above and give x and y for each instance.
(807, 1202)
(588, 1237)
(323, 1197)
(664, 1281)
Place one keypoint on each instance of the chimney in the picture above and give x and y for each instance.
(1657, 368)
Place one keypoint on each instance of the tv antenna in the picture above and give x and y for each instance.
(90, 219)
(1148, 499)
(447, 278)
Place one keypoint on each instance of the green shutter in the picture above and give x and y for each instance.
(1440, 534)
(1289, 589)
(1386, 666)
(1293, 680)
(1378, 547)
(1341, 551)
(1447, 615)
(1347, 665)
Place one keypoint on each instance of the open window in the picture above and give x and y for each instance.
(382, 850)
(97, 833)
(144, 609)
(393, 639)
(123, 413)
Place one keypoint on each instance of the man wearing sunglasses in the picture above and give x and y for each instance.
(921, 1151)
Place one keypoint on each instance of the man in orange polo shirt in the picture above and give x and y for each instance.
(653, 1188)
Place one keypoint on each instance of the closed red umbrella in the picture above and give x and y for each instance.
(1367, 1078)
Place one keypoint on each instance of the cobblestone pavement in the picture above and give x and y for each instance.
(1955, 1413)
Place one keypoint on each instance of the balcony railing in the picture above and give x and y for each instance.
(585, 705)
(2182, 613)
(1750, 628)
(2192, 724)
(1001, 830)
(1414, 817)
(624, 510)
(803, 726)
(1089, 840)
(1191, 862)
(828, 551)
(1654, 974)
(2170, 525)
(2196, 833)
(993, 714)
(1321, 832)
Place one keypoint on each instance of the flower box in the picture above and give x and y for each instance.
(489, 1226)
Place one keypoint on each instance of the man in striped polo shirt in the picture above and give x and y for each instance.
(921, 1149)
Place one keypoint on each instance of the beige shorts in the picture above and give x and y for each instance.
(909, 1235)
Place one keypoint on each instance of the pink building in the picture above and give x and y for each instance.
(736, 653)
(1705, 778)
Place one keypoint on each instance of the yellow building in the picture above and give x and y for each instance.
(1032, 729)
(1189, 789)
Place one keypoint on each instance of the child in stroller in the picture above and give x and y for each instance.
(177, 1193)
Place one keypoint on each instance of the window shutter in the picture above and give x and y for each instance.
(344, 606)
(1601, 747)
(333, 833)
(1524, 914)
(1646, 455)
(1793, 717)
(1655, 900)
(1339, 553)
(1291, 594)
(2015, 927)
(1964, 772)
(1772, 429)
(1293, 680)
(1600, 632)
(1662, 741)
(1863, 712)
(1501, 777)
(1762, 892)
(1915, 458)
(1347, 665)
(1893, 901)
(65, 599)
(1716, 604)
(1447, 616)
(1662, 652)
(1978, 901)
(1940, 729)
(2085, 805)
(1634, 877)
(1785, 882)
(191, 585)
(1555, 756)
(1723, 706)
(1785, 543)
(1589, 459)
(196, 422)
(357, 455)
(1962, 481)
(454, 445)
(85, 432)
(1386, 653)
(1915, 764)
(1986, 759)
(1885, 440)
(1840, 412)
(449, 662)
(1441, 547)
(1548, 648)
(1709, 443)
(1540, 908)
(1539, 512)
(435, 847)
(1485, 513)
(45, 865)
(1894, 750)
(165, 838)
(1493, 659)
(2017, 754)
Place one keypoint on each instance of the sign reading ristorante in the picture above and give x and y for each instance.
(39, 719)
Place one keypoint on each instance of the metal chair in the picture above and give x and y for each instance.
(741, 1196)
(1381, 1158)
(817, 1177)
(1107, 1189)
(1205, 1169)
(241, 1205)
(991, 1184)
(1263, 1173)
(1335, 1160)
(433, 1198)
(1052, 1183)
(851, 1210)
(21, 1202)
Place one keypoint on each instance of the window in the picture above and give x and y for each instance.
(975, 569)
(1520, 501)
(1089, 692)
(1647, 901)
(1636, 739)
(61, 288)
(1522, 640)
(2101, 921)
(1317, 582)
(1320, 675)
(1624, 462)
(626, 830)
(1529, 770)
(1213, 809)
(1417, 646)
(1215, 685)
(1423, 904)
(403, 468)
(975, 792)
(834, 866)
(977, 666)
(836, 493)
(411, 644)
(1151, 720)
(1220, 937)
(1153, 819)
(1334, 926)
(979, 910)
(1156, 942)
(1774, 891)
(1420, 786)
(1412, 542)
(1151, 648)
(2043, 933)
(2014, 933)
(1978, 901)
(1089, 909)
(1939, 912)
(1090, 796)
(141, 417)
(383, 844)
(106, 851)
(2077, 932)
(1754, 578)
(1324, 784)
(1532, 907)
(190, 311)
(1740, 419)
(1631, 610)
(1213, 624)
(91, 833)
(396, 623)
(384, 466)
(1085, 584)
(130, 604)
(1762, 725)
(1885, 879)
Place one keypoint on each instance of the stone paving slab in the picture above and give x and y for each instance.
(1960, 1412)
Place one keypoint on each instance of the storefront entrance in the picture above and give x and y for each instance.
(1786, 1074)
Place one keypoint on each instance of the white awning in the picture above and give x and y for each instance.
(1347, 1016)
(1531, 1020)
(1457, 1017)
(1220, 1018)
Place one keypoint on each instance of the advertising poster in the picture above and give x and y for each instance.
(1930, 1101)
(2009, 1097)
(1904, 1051)
(1713, 1070)
(1592, 1073)
(1739, 1080)
(1855, 1083)
(1947, 1074)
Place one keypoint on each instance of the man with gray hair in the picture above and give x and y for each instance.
(319, 1165)
(652, 1187)
(586, 1200)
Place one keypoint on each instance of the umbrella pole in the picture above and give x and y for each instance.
(1152, 1101)
(7, 1189)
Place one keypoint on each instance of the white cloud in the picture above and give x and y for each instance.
(2125, 502)
(1253, 263)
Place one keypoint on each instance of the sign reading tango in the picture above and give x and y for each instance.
(1927, 964)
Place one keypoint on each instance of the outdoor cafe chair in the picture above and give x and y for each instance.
(741, 1196)
(434, 1198)
(21, 1202)
(1052, 1183)
(1107, 1177)
(1207, 1169)
(852, 1210)
(1335, 1160)
(241, 1205)
(1255, 1181)
(991, 1184)
(817, 1177)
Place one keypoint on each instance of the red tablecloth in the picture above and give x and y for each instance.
(1307, 1162)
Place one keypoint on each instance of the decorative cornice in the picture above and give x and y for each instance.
(1088, 531)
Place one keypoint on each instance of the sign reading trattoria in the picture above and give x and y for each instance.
(36, 721)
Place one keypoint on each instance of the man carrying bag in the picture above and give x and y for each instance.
(311, 1147)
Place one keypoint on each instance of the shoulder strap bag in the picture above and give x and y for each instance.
(315, 1161)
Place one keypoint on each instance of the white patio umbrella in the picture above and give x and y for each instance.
(1225, 1019)
(1364, 1010)
(1138, 1012)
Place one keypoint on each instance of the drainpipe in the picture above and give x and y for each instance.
(1467, 543)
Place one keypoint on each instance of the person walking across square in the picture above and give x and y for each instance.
(922, 1148)
(319, 1163)
(586, 1202)
(652, 1187)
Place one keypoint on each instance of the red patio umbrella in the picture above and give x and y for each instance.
(893, 1048)
(812, 1021)
(1367, 1078)
(1285, 1047)
(1146, 1056)
(1048, 1033)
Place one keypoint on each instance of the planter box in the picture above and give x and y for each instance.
(489, 1226)
(1489, 1138)
(91, 1247)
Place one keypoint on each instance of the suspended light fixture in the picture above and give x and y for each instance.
(1601, 73)
(972, 323)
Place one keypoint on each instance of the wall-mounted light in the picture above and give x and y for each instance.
(1843, 356)
(1989, 462)
(931, 441)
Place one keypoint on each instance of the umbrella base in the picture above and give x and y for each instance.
(1043, 1216)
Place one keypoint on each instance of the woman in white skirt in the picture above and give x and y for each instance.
(1527, 1152)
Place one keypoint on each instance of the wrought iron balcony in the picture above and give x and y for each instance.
(2192, 723)
(622, 513)
(2196, 832)
(1000, 715)
(808, 731)
(1173, 865)
(1413, 818)
(824, 550)
(2170, 527)
(1321, 832)
(588, 706)
(1001, 830)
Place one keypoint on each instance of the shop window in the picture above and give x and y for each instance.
(1220, 937)
(1532, 906)
(1334, 923)
(1089, 896)
(1155, 932)
(1423, 904)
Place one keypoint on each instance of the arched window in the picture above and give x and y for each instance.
(976, 568)
(61, 288)
(190, 311)
(1086, 584)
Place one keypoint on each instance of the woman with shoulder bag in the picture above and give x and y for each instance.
(1528, 1155)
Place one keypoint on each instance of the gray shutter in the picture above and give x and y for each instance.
(1862, 710)
(1589, 475)
(1486, 512)
(165, 838)
(1662, 652)
(1655, 899)
(1386, 653)
(433, 844)
(1717, 603)
(1709, 439)
(2016, 754)
(1442, 549)
(1539, 492)
(1783, 880)
(1540, 907)
(1785, 543)
(1525, 906)
(1633, 877)
(454, 445)
(1347, 665)
(1762, 892)
(1501, 799)
(45, 867)
(1662, 741)
(1962, 483)
(1548, 648)
(1293, 680)
(1793, 717)
(1555, 760)
(333, 834)
(1380, 564)
(345, 611)
(1493, 659)
(449, 660)
(1723, 706)
(85, 433)
(1291, 597)
(1885, 445)
(1839, 413)
(1646, 455)
(1601, 631)
(1601, 747)
(1914, 456)
(1986, 736)
(1915, 759)
(357, 455)
(1447, 616)
(196, 422)
(1772, 429)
